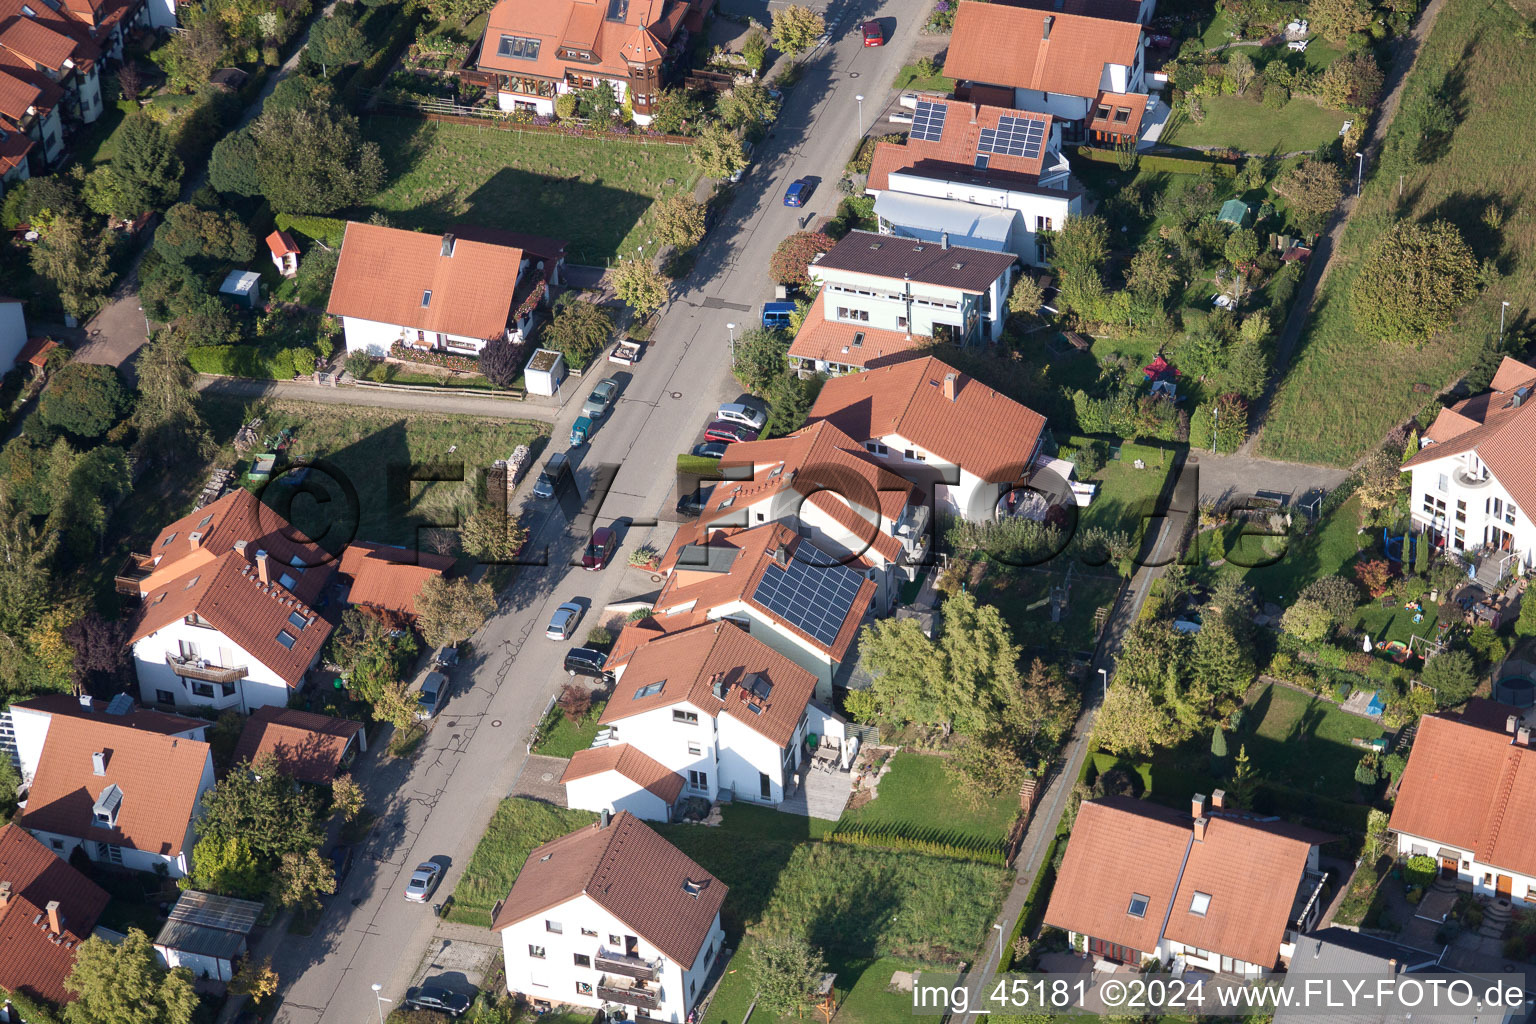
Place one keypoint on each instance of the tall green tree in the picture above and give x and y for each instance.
(452, 611)
(641, 286)
(718, 152)
(166, 414)
(579, 328)
(1222, 667)
(303, 876)
(83, 399)
(1312, 190)
(761, 359)
(1131, 721)
(232, 165)
(260, 805)
(1080, 245)
(204, 237)
(1245, 779)
(796, 28)
(145, 172)
(121, 983)
(679, 221)
(338, 39)
(786, 973)
(76, 261)
(227, 867)
(1412, 282)
(311, 158)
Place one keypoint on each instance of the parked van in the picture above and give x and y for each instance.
(776, 315)
(735, 412)
(555, 472)
(431, 692)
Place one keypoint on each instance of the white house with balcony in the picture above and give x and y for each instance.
(1474, 475)
(612, 917)
(446, 293)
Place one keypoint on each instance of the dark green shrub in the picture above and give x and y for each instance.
(1420, 870)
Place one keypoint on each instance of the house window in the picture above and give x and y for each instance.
(1103, 114)
(202, 690)
(649, 689)
(686, 717)
(589, 933)
(877, 448)
(1461, 511)
(555, 927)
(286, 638)
(913, 455)
(1138, 907)
(1122, 115)
(1445, 482)
(1433, 506)
(537, 952)
(614, 940)
(847, 313)
(582, 960)
(695, 750)
(165, 697)
(698, 780)
(583, 988)
(1042, 224)
(1461, 537)
(901, 322)
(426, 298)
(1200, 903)
(520, 47)
(57, 844)
(858, 336)
(297, 621)
(1509, 514)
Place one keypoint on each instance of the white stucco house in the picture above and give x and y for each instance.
(963, 442)
(713, 709)
(228, 608)
(30, 721)
(1215, 890)
(798, 600)
(1088, 73)
(612, 917)
(449, 293)
(1474, 476)
(1468, 800)
(124, 792)
(976, 176)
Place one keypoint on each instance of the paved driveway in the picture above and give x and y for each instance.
(441, 804)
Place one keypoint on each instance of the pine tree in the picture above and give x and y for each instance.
(1218, 751)
(1244, 780)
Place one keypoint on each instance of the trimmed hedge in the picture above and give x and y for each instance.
(1171, 164)
(1032, 915)
(897, 839)
(31, 1011)
(253, 361)
(328, 230)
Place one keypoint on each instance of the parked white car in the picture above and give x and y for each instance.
(735, 412)
(563, 623)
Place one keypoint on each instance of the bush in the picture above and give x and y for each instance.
(1170, 164)
(565, 105)
(1341, 691)
(1202, 428)
(328, 230)
(789, 261)
(1420, 871)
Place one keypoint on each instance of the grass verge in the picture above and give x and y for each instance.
(518, 827)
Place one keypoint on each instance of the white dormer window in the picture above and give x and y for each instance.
(1200, 903)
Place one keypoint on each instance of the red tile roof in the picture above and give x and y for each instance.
(855, 345)
(308, 747)
(981, 431)
(629, 871)
(958, 145)
(630, 762)
(37, 42)
(690, 663)
(389, 578)
(751, 555)
(159, 777)
(581, 25)
(1470, 786)
(1114, 10)
(1000, 45)
(16, 95)
(34, 964)
(1121, 848)
(1134, 106)
(13, 150)
(135, 718)
(281, 243)
(1497, 425)
(35, 351)
(385, 272)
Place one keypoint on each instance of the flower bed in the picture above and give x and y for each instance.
(430, 358)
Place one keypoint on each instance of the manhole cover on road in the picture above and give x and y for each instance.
(495, 723)
(547, 777)
(676, 394)
(853, 74)
(453, 725)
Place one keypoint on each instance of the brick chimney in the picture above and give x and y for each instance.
(195, 539)
(1197, 806)
(1200, 824)
(950, 385)
(239, 547)
(262, 570)
(1511, 723)
(5, 894)
(1218, 799)
(1523, 736)
(53, 917)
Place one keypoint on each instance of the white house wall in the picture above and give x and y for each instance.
(1441, 481)
(1470, 872)
(162, 13)
(13, 332)
(260, 688)
(887, 303)
(555, 977)
(658, 736)
(1035, 210)
(614, 792)
(201, 965)
(90, 94)
(375, 338)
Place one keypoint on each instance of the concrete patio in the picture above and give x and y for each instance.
(820, 795)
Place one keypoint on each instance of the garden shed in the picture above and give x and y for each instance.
(206, 933)
(242, 286)
(1235, 212)
(545, 372)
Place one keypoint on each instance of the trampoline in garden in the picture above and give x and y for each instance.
(1516, 684)
(1394, 649)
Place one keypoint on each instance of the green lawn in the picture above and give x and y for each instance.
(518, 827)
(1023, 594)
(593, 193)
(366, 446)
(1303, 742)
(1396, 622)
(1241, 123)
(861, 988)
(1360, 387)
(918, 796)
(1127, 495)
(1331, 545)
(909, 78)
(566, 737)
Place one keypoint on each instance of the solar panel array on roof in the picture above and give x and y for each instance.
(811, 597)
(206, 910)
(120, 704)
(928, 121)
(1013, 136)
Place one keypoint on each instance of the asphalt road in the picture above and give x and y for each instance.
(438, 804)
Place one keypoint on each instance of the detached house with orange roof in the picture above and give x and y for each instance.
(47, 909)
(964, 443)
(881, 296)
(831, 491)
(1474, 475)
(695, 712)
(309, 747)
(1216, 890)
(30, 721)
(536, 50)
(1088, 73)
(803, 602)
(125, 796)
(449, 293)
(1468, 799)
(980, 175)
(384, 579)
(229, 608)
(612, 917)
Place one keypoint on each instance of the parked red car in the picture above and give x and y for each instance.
(873, 36)
(730, 433)
(599, 549)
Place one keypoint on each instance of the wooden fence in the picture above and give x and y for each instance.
(453, 113)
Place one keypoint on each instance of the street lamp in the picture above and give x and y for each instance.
(860, 98)
(1104, 676)
(1359, 171)
(1502, 307)
(377, 988)
(732, 329)
(999, 928)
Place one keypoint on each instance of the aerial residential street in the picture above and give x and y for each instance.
(439, 805)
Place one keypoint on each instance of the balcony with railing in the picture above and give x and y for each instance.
(198, 668)
(630, 993)
(134, 571)
(1468, 478)
(628, 966)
